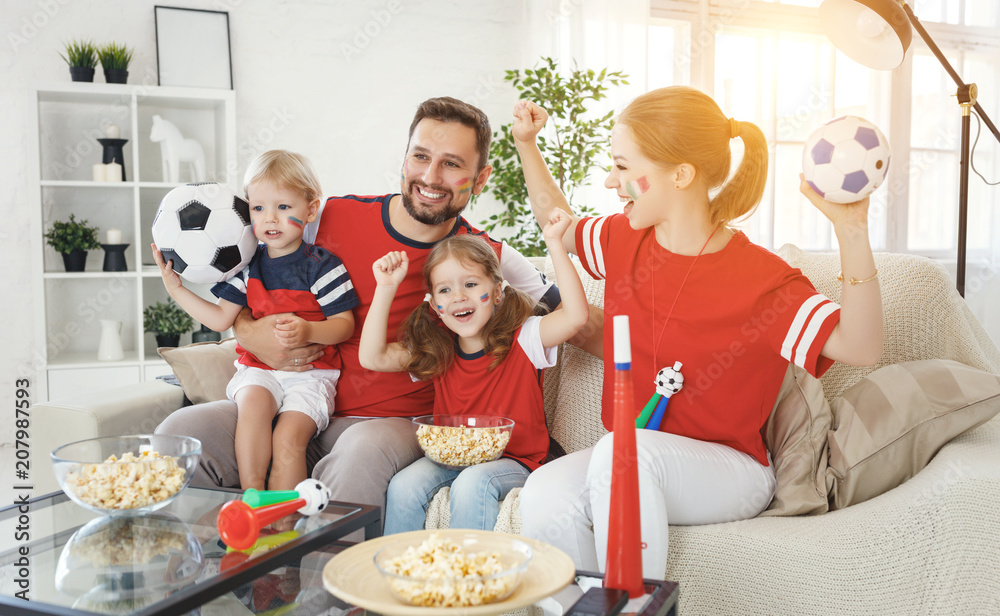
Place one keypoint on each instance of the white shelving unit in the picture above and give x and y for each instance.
(68, 120)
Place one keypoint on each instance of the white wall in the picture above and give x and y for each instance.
(337, 80)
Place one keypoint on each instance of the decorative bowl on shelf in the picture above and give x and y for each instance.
(459, 441)
(126, 475)
(453, 569)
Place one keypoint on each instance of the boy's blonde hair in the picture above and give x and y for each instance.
(283, 168)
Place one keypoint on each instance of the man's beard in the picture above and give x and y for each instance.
(429, 217)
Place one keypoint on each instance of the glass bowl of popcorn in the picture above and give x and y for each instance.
(458, 441)
(453, 569)
(126, 475)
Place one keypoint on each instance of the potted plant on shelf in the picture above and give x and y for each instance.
(167, 321)
(115, 59)
(575, 141)
(73, 239)
(82, 58)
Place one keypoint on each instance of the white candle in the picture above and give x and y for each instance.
(114, 236)
(113, 172)
(111, 131)
(99, 173)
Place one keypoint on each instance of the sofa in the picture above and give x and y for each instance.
(916, 532)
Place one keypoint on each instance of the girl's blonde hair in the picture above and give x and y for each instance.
(283, 168)
(432, 345)
(680, 124)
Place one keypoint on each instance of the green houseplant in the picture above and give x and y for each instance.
(115, 59)
(81, 56)
(574, 142)
(73, 239)
(167, 321)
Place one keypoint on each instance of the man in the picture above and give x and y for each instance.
(371, 436)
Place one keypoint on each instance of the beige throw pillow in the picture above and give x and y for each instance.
(796, 434)
(203, 369)
(891, 423)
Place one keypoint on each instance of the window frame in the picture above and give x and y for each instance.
(705, 17)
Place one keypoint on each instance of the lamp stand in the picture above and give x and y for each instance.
(967, 93)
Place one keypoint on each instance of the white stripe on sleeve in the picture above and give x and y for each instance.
(238, 283)
(593, 254)
(335, 294)
(521, 274)
(809, 336)
(798, 323)
(328, 278)
(598, 249)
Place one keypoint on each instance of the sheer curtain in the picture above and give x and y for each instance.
(652, 47)
(593, 34)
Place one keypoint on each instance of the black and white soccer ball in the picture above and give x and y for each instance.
(316, 495)
(205, 230)
(669, 381)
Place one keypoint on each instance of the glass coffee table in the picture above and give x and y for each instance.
(67, 561)
(298, 590)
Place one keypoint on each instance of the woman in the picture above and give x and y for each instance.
(700, 293)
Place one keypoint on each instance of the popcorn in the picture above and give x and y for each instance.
(128, 483)
(125, 543)
(462, 446)
(445, 576)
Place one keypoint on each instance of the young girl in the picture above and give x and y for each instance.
(699, 293)
(486, 360)
(286, 275)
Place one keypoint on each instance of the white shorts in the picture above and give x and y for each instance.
(311, 392)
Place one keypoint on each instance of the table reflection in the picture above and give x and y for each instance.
(116, 565)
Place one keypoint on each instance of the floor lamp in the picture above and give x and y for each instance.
(876, 33)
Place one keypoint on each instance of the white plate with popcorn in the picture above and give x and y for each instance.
(447, 571)
(126, 475)
(458, 441)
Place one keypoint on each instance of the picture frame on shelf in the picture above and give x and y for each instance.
(193, 48)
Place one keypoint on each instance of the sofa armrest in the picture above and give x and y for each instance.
(132, 409)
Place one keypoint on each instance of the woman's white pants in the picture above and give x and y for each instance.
(681, 481)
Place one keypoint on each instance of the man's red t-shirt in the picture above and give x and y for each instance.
(357, 229)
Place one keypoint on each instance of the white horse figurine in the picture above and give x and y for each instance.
(174, 148)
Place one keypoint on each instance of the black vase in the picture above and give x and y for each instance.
(163, 340)
(113, 153)
(81, 73)
(114, 75)
(75, 261)
(114, 257)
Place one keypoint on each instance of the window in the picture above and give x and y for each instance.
(769, 62)
(932, 226)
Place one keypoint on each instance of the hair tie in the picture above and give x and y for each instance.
(430, 304)
(734, 128)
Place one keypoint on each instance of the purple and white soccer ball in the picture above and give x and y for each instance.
(205, 230)
(845, 159)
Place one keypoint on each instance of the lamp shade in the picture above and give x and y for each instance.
(875, 33)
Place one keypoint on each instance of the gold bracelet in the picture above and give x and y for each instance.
(854, 281)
